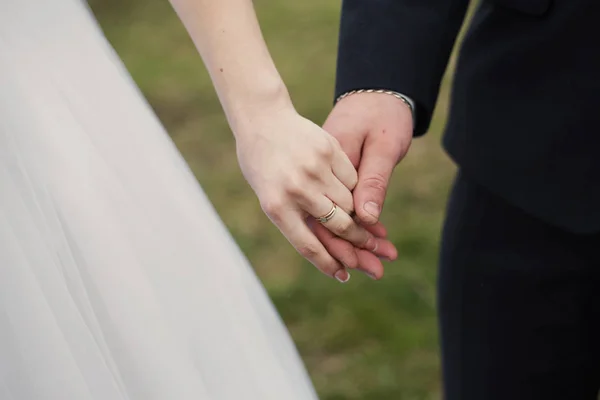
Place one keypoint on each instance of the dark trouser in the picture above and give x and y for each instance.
(519, 303)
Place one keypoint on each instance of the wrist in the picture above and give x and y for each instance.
(374, 109)
(408, 102)
(256, 106)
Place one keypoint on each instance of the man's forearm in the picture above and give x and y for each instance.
(398, 45)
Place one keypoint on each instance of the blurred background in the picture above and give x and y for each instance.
(362, 340)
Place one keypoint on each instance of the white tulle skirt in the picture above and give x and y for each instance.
(117, 278)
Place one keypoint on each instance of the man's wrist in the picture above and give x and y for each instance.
(405, 99)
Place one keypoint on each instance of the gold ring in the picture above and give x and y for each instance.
(329, 215)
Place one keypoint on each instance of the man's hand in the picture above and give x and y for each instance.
(375, 131)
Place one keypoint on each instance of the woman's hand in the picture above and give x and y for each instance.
(299, 171)
(296, 169)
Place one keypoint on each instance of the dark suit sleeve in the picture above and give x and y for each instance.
(399, 45)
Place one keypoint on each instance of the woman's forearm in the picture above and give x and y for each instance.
(228, 37)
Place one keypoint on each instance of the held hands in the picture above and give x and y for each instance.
(299, 172)
(375, 130)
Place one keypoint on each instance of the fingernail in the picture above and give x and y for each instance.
(371, 244)
(342, 275)
(370, 275)
(372, 208)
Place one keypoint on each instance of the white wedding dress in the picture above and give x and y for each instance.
(118, 281)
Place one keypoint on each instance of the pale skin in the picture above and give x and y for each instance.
(296, 169)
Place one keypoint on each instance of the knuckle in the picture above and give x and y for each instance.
(347, 206)
(369, 243)
(295, 184)
(295, 187)
(375, 181)
(308, 250)
(273, 206)
(326, 149)
(329, 267)
(334, 143)
(344, 228)
(312, 168)
(353, 180)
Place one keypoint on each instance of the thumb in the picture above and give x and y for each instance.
(376, 166)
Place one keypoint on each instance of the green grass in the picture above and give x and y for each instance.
(363, 340)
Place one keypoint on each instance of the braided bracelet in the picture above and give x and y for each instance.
(389, 92)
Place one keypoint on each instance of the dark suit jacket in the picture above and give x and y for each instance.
(525, 110)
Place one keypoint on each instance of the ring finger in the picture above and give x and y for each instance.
(339, 222)
(335, 190)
